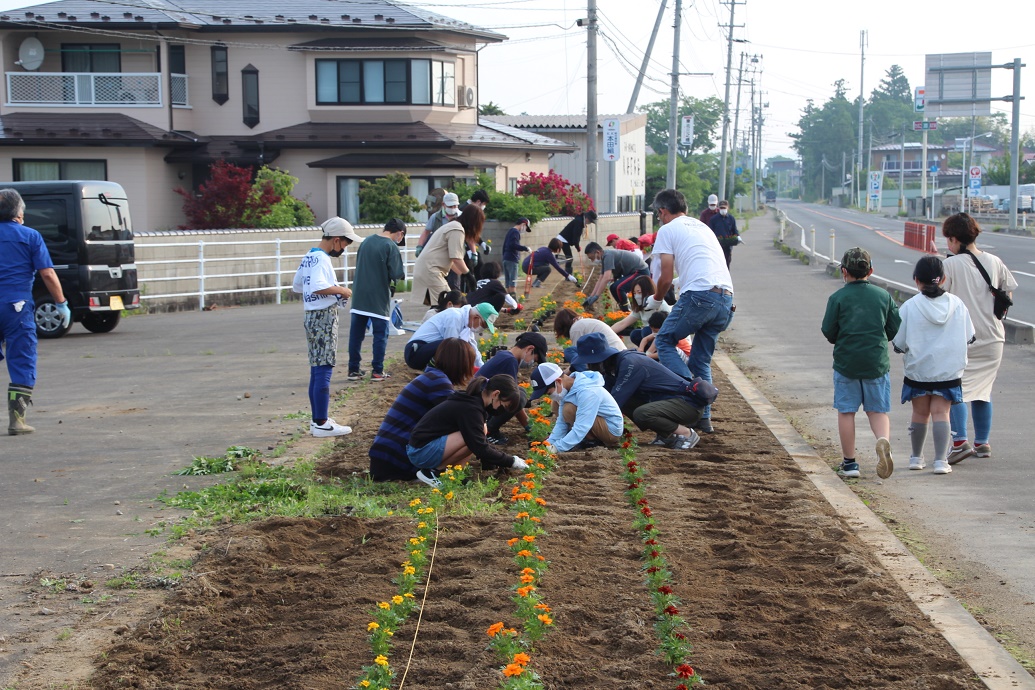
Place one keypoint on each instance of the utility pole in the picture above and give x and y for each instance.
(862, 97)
(591, 103)
(646, 59)
(1015, 141)
(726, 102)
(736, 125)
(843, 178)
(758, 146)
(673, 106)
(751, 145)
(902, 174)
(869, 161)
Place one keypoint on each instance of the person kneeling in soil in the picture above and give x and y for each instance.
(529, 348)
(568, 324)
(465, 323)
(653, 396)
(454, 366)
(454, 430)
(588, 416)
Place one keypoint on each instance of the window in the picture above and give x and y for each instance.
(396, 82)
(177, 60)
(49, 217)
(250, 95)
(220, 75)
(26, 170)
(91, 57)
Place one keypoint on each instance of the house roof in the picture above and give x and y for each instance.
(85, 129)
(555, 122)
(232, 15)
(402, 160)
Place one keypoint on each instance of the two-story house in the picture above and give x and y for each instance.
(149, 94)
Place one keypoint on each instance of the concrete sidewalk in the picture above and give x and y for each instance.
(977, 525)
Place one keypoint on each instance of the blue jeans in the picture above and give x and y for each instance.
(982, 420)
(705, 314)
(357, 331)
(510, 273)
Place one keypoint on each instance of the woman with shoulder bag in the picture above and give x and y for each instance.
(965, 277)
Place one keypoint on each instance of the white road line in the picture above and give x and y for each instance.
(900, 261)
(1030, 275)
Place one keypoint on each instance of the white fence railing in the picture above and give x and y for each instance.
(93, 89)
(276, 258)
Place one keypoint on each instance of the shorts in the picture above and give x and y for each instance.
(321, 331)
(429, 456)
(873, 395)
(954, 394)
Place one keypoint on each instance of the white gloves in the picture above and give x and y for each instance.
(571, 279)
(519, 464)
(652, 304)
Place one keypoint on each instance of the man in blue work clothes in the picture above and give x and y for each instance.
(688, 248)
(22, 254)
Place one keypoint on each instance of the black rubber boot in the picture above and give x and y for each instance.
(18, 400)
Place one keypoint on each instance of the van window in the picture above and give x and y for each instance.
(106, 222)
(50, 217)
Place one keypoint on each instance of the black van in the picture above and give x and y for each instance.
(87, 229)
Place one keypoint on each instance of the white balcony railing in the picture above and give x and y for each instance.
(93, 89)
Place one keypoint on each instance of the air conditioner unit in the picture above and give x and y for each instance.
(465, 96)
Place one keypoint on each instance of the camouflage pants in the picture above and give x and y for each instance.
(321, 331)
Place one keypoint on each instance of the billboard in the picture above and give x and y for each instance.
(954, 81)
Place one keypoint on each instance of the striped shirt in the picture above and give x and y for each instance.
(388, 459)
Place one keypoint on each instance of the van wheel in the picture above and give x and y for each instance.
(48, 320)
(101, 322)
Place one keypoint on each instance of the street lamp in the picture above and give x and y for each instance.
(964, 205)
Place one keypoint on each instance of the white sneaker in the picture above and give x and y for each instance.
(328, 429)
(885, 463)
(916, 463)
(941, 467)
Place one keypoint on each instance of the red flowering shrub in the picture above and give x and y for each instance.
(227, 200)
(561, 197)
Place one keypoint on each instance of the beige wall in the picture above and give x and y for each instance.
(248, 250)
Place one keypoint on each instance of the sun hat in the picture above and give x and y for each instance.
(543, 377)
(488, 314)
(339, 227)
(537, 341)
(592, 348)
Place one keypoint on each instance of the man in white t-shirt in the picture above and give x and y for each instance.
(687, 247)
(321, 296)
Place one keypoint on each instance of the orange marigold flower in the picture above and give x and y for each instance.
(511, 542)
(543, 607)
(525, 591)
(525, 553)
(535, 519)
(529, 538)
(521, 515)
(528, 485)
(528, 579)
(494, 629)
(540, 501)
(522, 658)
(540, 557)
(545, 618)
(527, 571)
(513, 670)
(530, 475)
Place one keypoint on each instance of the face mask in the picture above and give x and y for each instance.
(336, 253)
(525, 364)
(711, 206)
(723, 211)
(558, 396)
(638, 299)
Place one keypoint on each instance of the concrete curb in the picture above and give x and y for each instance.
(993, 664)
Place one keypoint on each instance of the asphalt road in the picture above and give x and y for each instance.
(978, 523)
(883, 237)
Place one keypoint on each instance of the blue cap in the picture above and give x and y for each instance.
(592, 348)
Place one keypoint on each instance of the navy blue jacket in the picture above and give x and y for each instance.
(512, 245)
(637, 379)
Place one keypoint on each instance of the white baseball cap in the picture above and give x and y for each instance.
(339, 227)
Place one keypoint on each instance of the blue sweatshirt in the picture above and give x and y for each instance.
(638, 380)
(592, 401)
(512, 245)
(542, 256)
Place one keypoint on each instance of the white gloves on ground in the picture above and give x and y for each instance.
(519, 464)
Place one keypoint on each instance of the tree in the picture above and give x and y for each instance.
(825, 135)
(689, 180)
(998, 172)
(490, 108)
(890, 109)
(707, 114)
(227, 200)
(288, 212)
(386, 198)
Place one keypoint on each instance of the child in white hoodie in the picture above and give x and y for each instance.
(935, 332)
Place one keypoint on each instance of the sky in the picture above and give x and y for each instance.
(803, 47)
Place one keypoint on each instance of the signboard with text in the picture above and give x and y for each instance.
(686, 135)
(612, 139)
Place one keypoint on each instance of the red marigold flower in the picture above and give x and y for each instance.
(665, 589)
(654, 554)
(682, 686)
(671, 610)
(685, 671)
(641, 502)
(651, 542)
(626, 444)
(679, 636)
(648, 527)
(646, 511)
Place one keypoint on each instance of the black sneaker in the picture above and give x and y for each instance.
(429, 477)
(659, 440)
(497, 439)
(704, 425)
(677, 442)
(357, 375)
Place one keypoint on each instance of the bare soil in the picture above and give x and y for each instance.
(778, 590)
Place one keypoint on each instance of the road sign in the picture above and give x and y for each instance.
(920, 125)
(975, 185)
(919, 100)
(687, 133)
(612, 139)
(975, 172)
(738, 170)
